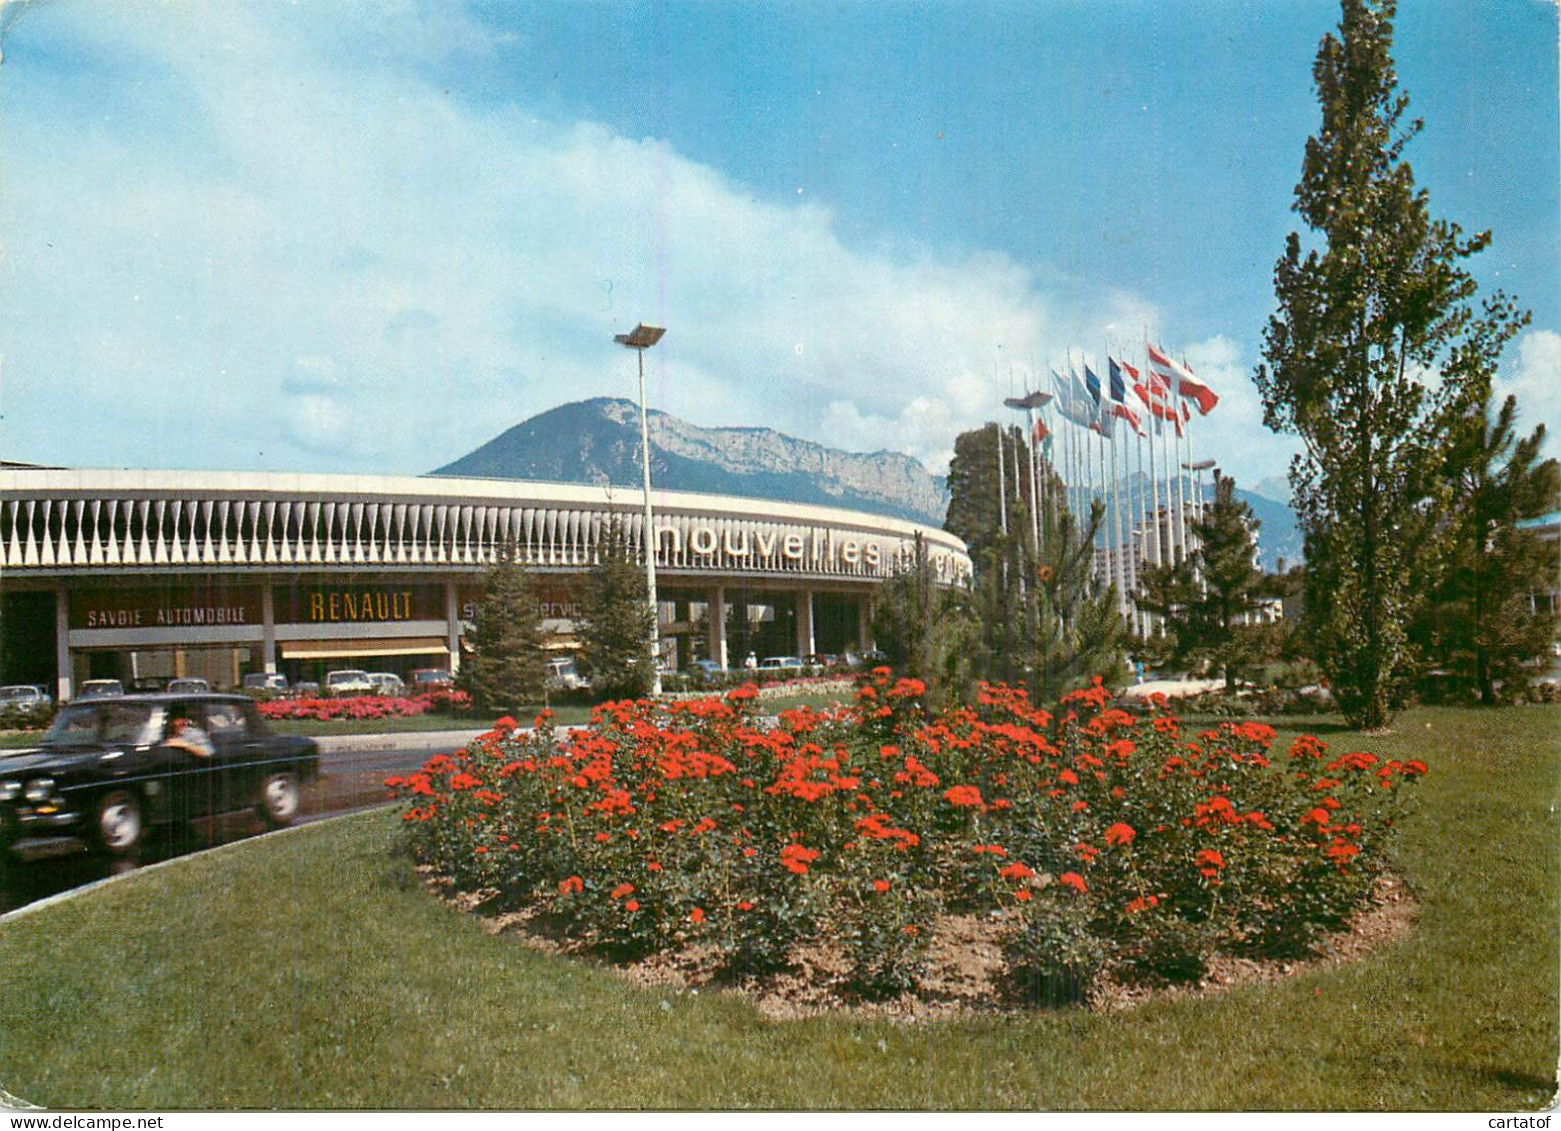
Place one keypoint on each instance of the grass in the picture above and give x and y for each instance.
(310, 970)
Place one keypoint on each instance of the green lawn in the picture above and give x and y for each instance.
(310, 970)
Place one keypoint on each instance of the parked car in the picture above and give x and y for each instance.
(432, 679)
(105, 771)
(348, 681)
(780, 663)
(267, 683)
(706, 673)
(149, 683)
(188, 686)
(387, 683)
(24, 697)
(100, 688)
(306, 689)
(564, 675)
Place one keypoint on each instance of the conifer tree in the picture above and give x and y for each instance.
(925, 629)
(615, 622)
(1364, 362)
(505, 669)
(1211, 599)
(1042, 619)
(1484, 624)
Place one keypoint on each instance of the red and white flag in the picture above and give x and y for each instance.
(1181, 380)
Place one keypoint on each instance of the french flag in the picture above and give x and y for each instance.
(1181, 379)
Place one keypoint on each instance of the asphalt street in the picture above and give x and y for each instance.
(352, 776)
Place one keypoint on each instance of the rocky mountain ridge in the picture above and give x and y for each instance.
(597, 441)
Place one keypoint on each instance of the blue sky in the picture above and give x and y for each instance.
(368, 237)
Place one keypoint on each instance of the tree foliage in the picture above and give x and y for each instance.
(615, 623)
(1484, 624)
(1373, 355)
(926, 630)
(1042, 619)
(505, 669)
(1212, 598)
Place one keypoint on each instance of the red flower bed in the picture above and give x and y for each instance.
(366, 706)
(1096, 838)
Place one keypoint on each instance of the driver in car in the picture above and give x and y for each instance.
(185, 735)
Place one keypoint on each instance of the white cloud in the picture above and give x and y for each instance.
(1534, 377)
(323, 262)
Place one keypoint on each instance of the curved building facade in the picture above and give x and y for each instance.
(133, 574)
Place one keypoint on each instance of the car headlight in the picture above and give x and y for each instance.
(9, 790)
(39, 789)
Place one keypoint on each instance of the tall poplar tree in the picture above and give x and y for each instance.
(1367, 360)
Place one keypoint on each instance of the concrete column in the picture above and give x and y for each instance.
(268, 627)
(805, 623)
(452, 611)
(63, 689)
(864, 622)
(716, 629)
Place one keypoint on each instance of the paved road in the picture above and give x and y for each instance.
(352, 776)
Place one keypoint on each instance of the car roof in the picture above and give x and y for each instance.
(164, 697)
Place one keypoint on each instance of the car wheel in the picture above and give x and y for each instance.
(119, 827)
(280, 800)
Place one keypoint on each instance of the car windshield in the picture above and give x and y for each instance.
(130, 724)
(337, 678)
(17, 692)
(432, 677)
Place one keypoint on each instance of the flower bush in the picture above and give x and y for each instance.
(367, 706)
(1097, 840)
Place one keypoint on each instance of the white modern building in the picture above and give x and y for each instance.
(120, 574)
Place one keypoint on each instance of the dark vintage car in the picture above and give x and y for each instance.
(105, 772)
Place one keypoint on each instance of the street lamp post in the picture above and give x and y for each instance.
(640, 339)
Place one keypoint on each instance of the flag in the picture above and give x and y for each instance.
(1182, 381)
(1118, 372)
(1029, 400)
(1072, 401)
(1040, 433)
(1105, 420)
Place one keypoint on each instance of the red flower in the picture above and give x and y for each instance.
(697, 915)
(1209, 862)
(1022, 895)
(963, 796)
(1120, 833)
(632, 905)
(572, 884)
(622, 890)
(1073, 880)
(880, 885)
(1016, 871)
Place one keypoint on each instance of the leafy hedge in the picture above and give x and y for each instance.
(1095, 839)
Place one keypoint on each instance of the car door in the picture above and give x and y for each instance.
(233, 757)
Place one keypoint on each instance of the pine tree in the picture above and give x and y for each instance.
(615, 620)
(1366, 361)
(925, 629)
(1213, 598)
(1043, 621)
(506, 668)
(1483, 625)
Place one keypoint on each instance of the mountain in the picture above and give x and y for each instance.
(598, 442)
